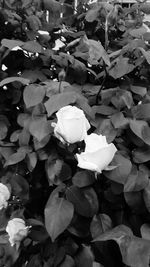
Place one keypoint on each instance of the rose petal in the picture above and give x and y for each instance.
(85, 164)
(95, 142)
(101, 158)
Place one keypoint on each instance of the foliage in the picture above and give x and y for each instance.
(75, 217)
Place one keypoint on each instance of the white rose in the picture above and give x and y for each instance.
(97, 155)
(16, 230)
(4, 196)
(71, 126)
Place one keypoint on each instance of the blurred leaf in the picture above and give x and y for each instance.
(58, 214)
(100, 224)
(33, 94)
(58, 101)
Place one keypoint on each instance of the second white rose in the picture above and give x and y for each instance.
(71, 126)
(4, 195)
(98, 153)
(16, 230)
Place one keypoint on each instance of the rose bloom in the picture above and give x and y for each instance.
(98, 153)
(4, 196)
(16, 230)
(71, 126)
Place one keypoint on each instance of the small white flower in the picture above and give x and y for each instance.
(71, 126)
(98, 153)
(16, 230)
(4, 196)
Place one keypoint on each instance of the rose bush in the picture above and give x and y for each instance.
(97, 155)
(71, 126)
(4, 195)
(16, 230)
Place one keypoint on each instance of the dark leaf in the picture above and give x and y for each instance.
(141, 155)
(85, 201)
(85, 257)
(83, 178)
(100, 224)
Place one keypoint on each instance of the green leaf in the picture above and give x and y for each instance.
(141, 112)
(146, 54)
(114, 234)
(92, 15)
(104, 110)
(136, 126)
(85, 257)
(33, 94)
(20, 186)
(139, 90)
(14, 79)
(31, 161)
(106, 128)
(15, 158)
(10, 44)
(33, 47)
(138, 33)
(146, 197)
(68, 262)
(146, 134)
(120, 68)
(145, 231)
(58, 101)
(100, 224)
(83, 178)
(122, 171)
(58, 214)
(85, 201)
(40, 127)
(136, 181)
(141, 155)
(118, 120)
(3, 130)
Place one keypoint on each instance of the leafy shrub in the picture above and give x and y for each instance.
(68, 216)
